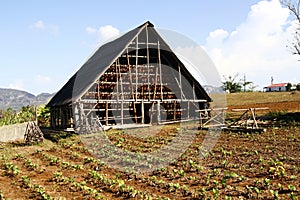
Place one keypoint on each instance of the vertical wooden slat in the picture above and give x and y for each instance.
(142, 109)
(158, 112)
(106, 113)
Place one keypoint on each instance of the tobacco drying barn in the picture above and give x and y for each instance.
(135, 79)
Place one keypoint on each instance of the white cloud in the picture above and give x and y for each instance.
(216, 37)
(257, 47)
(18, 85)
(104, 33)
(90, 30)
(42, 79)
(41, 25)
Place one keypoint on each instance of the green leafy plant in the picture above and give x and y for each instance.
(11, 169)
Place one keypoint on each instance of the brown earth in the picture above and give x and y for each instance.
(238, 166)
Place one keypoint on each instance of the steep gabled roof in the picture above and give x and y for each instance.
(95, 66)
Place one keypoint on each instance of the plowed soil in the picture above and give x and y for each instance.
(239, 166)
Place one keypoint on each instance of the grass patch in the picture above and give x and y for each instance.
(246, 98)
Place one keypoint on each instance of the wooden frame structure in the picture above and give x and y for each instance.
(247, 121)
(145, 84)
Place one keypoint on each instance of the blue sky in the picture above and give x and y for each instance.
(44, 42)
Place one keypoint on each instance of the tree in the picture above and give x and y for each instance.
(294, 7)
(289, 87)
(26, 114)
(231, 85)
(43, 116)
(298, 87)
(10, 116)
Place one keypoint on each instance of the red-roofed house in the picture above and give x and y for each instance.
(278, 87)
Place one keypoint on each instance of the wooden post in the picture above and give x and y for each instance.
(151, 112)
(174, 114)
(148, 64)
(158, 112)
(122, 112)
(106, 113)
(200, 119)
(130, 75)
(136, 67)
(254, 119)
(80, 115)
(160, 72)
(142, 109)
(117, 77)
(134, 111)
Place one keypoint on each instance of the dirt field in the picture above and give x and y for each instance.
(275, 101)
(240, 166)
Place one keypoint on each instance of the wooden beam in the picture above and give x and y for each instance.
(160, 72)
(122, 112)
(245, 109)
(106, 114)
(158, 112)
(143, 112)
(148, 64)
(136, 68)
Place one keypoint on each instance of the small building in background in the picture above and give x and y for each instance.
(278, 87)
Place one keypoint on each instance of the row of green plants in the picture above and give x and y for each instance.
(36, 187)
(262, 170)
(12, 170)
(81, 186)
(118, 184)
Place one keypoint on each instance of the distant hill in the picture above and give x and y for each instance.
(212, 89)
(15, 99)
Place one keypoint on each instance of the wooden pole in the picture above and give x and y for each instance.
(122, 112)
(130, 75)
(106, 113)
(200, 119)
(117, 77)
(254, 119)
(122, 94)
(136, 77)
(151, 112)
(136, 67)
(148, 64)
(160, 72)
(142, 109)
(158, 112)
(174, 111)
